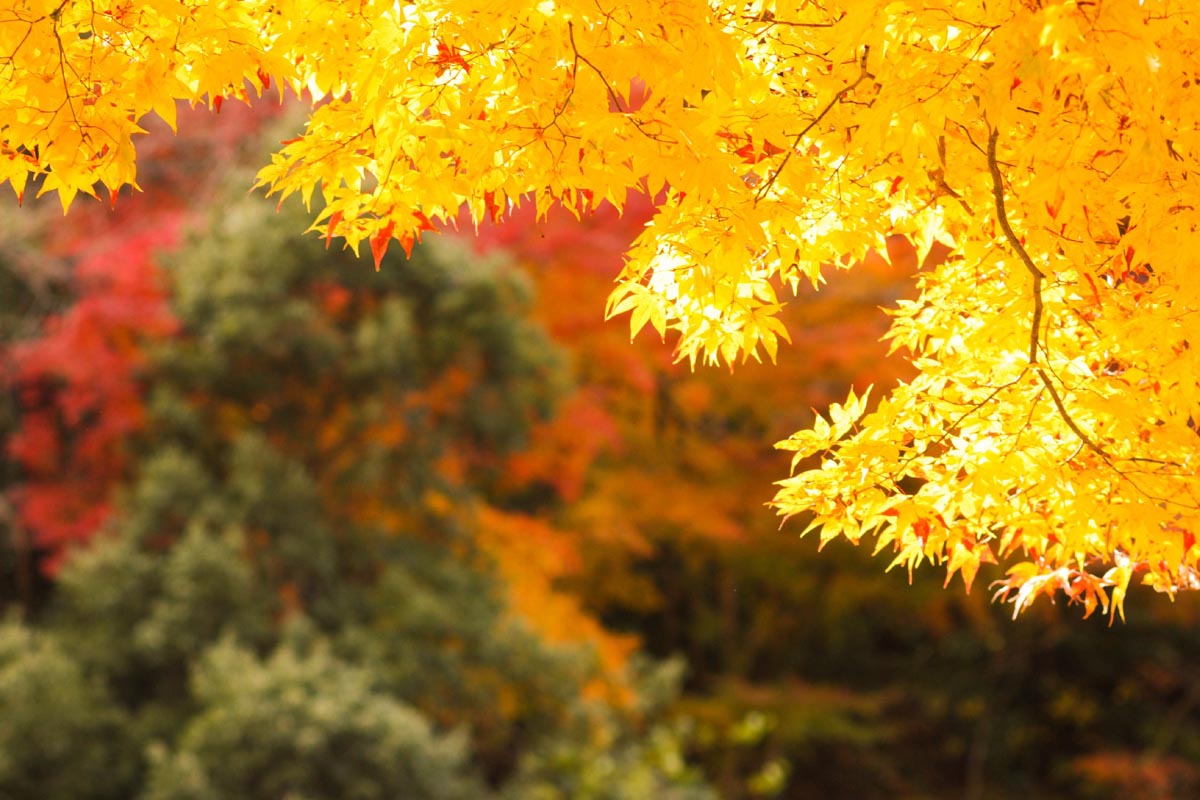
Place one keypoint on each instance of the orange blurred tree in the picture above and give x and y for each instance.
(649, 484)
(1051, 421)
(646, 454)
(652, 480)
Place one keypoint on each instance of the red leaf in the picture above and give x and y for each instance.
(217, 102)
(264, 79)
(423, 223)
(448, 55)
(380, 242)
(1095, 290)
(1189, 541)
(493, 208)
(747, 153)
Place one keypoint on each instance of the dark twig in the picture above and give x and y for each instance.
(863, 74)
(1038, 307)
(618, 103)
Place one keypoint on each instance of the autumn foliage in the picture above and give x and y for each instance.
(297, 506)
(1051, 421)
(454, 527)
(79, 390)
(78, 385)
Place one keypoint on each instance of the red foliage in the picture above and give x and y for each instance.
(1137, 776)
(78, 390)
(76, 384)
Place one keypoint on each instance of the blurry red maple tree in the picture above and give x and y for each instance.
(77, 383)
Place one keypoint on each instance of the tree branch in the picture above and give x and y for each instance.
(1038, 306)
(863, 74)
(613, 97)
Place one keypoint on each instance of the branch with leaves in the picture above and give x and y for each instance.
(770, 171)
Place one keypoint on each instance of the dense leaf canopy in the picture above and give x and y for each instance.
(1051, 145)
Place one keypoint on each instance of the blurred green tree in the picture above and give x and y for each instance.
(290, 596)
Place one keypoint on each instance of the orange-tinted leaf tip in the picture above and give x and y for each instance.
(379, 246)
(423, 223)
(334, 219)
(493, 208)
(380, 242)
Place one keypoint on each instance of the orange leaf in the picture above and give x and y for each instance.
(334, 220)
(423, 223)
(406, 241)
(493, 208)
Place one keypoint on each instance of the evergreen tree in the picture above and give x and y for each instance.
(62, 737)
(289, 601)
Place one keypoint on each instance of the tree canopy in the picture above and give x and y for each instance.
(283, 484)
(1051, 146)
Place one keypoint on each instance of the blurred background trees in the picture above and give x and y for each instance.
(276, 524)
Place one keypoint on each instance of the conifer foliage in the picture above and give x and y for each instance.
(287, 598)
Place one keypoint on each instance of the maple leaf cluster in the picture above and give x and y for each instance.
(1051, 146)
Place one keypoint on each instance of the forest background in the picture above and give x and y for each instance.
(276, 522)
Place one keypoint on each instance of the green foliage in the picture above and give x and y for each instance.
(268, 310)
(141, 605)
(61, 735)
(435, 634)
(598, 763)
(652, 766)
(884, 689)
(289, 601)
(307, 726)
